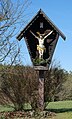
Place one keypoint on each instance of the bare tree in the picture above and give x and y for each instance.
(12, 17)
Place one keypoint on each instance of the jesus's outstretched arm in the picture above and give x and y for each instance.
(48, 34)
(34, 35)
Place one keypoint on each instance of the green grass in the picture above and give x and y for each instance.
(5, 108)
(60, 105)
(66, 115)
(63, 109)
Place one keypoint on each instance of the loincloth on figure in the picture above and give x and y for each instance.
(41, 48)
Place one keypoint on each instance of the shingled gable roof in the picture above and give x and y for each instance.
(20, 36)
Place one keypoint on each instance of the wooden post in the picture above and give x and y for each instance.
(41, 90)
(41, 70)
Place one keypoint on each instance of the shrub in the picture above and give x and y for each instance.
(18, 84)
(54, 79)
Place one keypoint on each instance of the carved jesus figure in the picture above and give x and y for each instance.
(41, 48)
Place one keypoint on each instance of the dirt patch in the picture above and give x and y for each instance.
(28, 114)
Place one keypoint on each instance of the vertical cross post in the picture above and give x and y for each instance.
(41, 90)
(41, 70)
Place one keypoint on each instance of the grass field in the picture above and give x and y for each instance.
(60, 106)
(66, 115)
(62, 109)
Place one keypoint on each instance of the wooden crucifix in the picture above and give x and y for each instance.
(41, 36)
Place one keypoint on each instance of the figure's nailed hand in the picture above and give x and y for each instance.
(38, 33)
